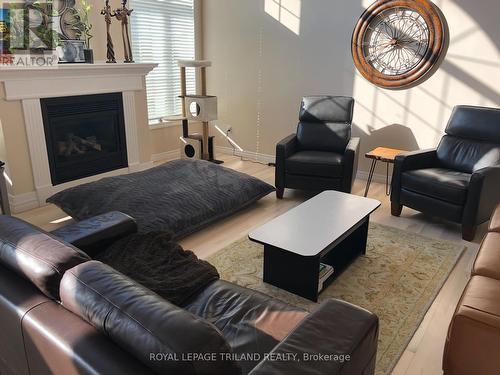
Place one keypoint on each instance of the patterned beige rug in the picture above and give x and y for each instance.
(398, 280)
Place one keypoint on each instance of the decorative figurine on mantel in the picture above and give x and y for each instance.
(123, 14)
(107, 13)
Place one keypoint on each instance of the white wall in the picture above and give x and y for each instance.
(263, 66)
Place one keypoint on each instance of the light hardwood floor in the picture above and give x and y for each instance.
(424, 352)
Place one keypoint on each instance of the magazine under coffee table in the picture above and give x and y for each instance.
(331, 228)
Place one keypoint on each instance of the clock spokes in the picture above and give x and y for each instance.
(393, 39)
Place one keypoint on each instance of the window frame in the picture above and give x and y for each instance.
(176, 120)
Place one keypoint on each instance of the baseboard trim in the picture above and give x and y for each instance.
(167, 155)
(379, 178)
(140, 167)
(23, 202)
(255, 156)
(264, 158)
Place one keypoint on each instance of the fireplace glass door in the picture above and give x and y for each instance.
(85, 136)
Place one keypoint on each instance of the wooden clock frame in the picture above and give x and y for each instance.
(437, 44)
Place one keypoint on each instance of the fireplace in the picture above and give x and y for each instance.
(85, 135)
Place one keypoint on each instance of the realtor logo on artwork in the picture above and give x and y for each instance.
(28, 35)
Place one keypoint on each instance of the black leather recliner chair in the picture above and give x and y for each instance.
(322, 155)
(460, 180)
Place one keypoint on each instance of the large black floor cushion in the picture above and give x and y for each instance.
(179, 197)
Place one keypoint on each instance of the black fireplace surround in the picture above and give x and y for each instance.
(85, 135)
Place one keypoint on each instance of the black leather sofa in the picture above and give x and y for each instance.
(460, 179)
(64, 314)
(321, 155)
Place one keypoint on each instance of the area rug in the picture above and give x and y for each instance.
(398, 280)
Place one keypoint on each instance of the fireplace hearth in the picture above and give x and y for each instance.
(85, 135)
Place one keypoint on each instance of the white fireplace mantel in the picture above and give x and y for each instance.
(29, 85)
(72, 79)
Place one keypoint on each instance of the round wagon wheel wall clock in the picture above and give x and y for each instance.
(398, 44)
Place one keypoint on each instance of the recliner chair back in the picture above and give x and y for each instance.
(472, 139)
(325, 123)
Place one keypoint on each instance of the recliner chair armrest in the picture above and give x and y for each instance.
(416, 160)
(351, 158)
(94, 234)
(483, 195)
(284, 149)
(336, 338)
(407, 162)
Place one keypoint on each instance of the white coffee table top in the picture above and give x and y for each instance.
(311, 227)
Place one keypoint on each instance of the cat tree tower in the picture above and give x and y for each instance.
(199, 107)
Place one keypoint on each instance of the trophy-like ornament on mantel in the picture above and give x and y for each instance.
(123, 14)
(107, 13)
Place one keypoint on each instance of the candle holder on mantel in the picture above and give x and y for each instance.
(108, 13)
(123, 14)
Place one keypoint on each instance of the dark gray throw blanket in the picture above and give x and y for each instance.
(161, 265)
(180, 197)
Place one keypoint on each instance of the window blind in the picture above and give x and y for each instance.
(163, 32)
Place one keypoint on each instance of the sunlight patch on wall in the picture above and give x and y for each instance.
(286, 12)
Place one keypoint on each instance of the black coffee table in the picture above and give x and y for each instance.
(331, 228)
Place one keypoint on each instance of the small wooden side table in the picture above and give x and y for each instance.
(386, 155)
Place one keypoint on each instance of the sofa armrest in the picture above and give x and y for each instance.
(483, 196)
(407, 162)
(337, 338)
(93, 234)
(495, 220)
(284, 149)
(351, 158)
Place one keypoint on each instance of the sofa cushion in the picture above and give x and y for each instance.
(495, 221)
(57, 342)
(472, 343)
(488, 259)
(443, 184)
(36, 255)
(17, 297)
(250, 321)
(480, 301)
(315, 163)
(141, 322)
